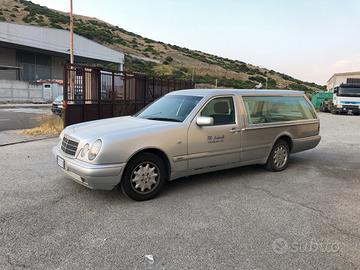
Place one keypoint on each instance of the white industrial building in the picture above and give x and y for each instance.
(29, 54)
(340, 78)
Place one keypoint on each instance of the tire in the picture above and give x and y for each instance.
(144, 177)
(275, 162)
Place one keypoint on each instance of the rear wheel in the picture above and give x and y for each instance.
(279, 157)
(144, 177)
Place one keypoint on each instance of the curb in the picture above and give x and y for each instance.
(24, 106)
(27, 141)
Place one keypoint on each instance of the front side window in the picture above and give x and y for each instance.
(221, 109)
(174, 108)
(277, 109)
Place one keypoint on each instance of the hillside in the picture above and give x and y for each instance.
(153, 57)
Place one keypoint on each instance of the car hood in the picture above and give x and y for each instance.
(115, 126)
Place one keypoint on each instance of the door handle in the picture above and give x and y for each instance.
(235, 130)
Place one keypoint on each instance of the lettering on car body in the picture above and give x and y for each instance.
(215, 139)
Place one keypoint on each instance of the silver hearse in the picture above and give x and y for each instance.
(188, 132)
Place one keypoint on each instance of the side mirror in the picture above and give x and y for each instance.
(204, 121)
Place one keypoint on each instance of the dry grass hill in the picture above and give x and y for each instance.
(154, 57)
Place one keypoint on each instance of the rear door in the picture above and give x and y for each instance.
(219, 144)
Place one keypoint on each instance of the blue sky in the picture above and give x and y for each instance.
(309, 40)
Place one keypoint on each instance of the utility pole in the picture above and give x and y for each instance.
(72, 70)
(71, 33)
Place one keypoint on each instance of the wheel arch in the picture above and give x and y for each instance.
(156, 151)
(287, 138)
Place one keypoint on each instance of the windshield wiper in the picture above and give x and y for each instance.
(163, 119)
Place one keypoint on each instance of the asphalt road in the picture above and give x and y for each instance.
(306, 217)
(20, 118)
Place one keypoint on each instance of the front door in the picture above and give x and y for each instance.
(218, 144)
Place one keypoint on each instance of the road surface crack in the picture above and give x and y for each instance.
(320, 212)
(19, 265)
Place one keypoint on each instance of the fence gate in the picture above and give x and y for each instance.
(92, 93)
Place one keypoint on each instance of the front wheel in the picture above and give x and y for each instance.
(279, 157)
(144, 177)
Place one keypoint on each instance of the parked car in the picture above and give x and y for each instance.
(57, 106)
(188, 132)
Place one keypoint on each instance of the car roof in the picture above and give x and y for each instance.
(218, 91)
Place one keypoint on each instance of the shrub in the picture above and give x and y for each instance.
(27, 19)
(137, 65)
(272, 83)
(55, 25)
(35, 9)
(121, 41)
(168, 60)
(297, 86)
(148, 40)
(258, 79)
(92, 32)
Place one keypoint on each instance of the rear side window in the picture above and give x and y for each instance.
(277, 109)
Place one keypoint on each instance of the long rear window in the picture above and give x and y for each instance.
(271, 109)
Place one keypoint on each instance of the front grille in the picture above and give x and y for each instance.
(69, 146)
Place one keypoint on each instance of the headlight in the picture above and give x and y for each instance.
(84, 151)
(339, 105)
(95, 149)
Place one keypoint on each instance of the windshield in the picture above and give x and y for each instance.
(173, 108)
(353, 91)
(59, 98)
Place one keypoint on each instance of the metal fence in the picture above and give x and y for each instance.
(92, 93)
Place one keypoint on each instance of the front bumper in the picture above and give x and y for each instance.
(57, 110)
(347, 109)
(94, 176)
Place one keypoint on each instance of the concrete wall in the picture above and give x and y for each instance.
(57, 68)
(7, 58)
(20, 91)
